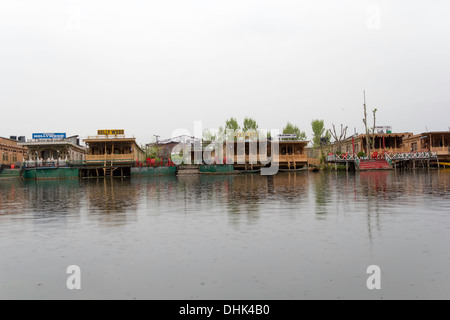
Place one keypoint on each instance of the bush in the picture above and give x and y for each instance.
(361, 154)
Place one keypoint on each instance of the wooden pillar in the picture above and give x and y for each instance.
(112, 153)
(346, 165)
(414, 164)
(431, 143)
(335, 166)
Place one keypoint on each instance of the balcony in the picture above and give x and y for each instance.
(292, 158)
(111, 157)
(441, 151)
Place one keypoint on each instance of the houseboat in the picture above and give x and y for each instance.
(437, 142)
(389, 142)
(111, 153)
(53, 156)
(291, 154)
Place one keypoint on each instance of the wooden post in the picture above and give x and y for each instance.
(335, 166)
(431, 143)
(346, 165)
(112, 153)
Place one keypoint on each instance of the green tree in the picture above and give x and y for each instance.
(232, 124)
(320, 135)
(250, 125)
(151, 151)
(293, 129)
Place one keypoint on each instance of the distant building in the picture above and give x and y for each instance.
(163, 148)
(11, 153)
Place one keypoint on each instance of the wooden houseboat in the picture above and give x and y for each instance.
(110, 153)
(291, 154)
(389, 142)
(53, 156)
(436, 141)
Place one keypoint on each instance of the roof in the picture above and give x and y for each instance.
(436, 132)
(426, 134)
(363, 135)
(50, 143)
(97, 139)
(270, 141)
(9, 139)
(393, 134)
(115, 139)
(294, 141)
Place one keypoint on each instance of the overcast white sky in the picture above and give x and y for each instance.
(150, 67)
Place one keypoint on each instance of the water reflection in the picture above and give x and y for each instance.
(113, 202)
(51, 201)
(12, 197)
(375, 187)
(290, 186)
(322, 190)
(245, 236)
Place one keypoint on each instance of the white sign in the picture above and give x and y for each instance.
(287, 136)
(383, 129)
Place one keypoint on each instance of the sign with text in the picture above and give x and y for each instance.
(383, 129)
(248, 134)
(110, 132)
(50, 136)
(287, 136)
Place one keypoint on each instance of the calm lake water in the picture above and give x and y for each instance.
(290, 236)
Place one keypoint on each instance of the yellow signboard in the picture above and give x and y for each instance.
(110, 132)
(249, 134)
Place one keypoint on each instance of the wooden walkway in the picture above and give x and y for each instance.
(394, 160)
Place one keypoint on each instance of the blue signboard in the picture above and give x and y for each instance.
(38, 136)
